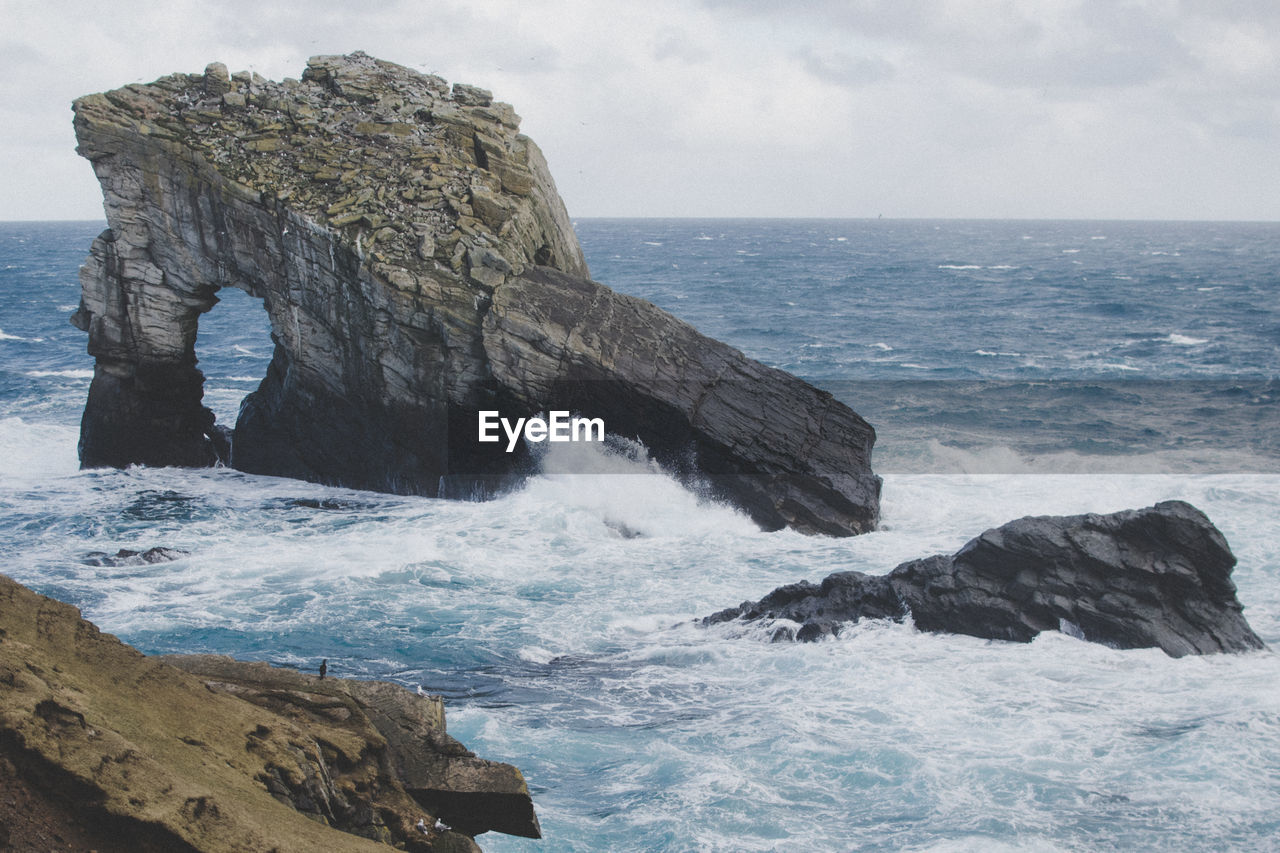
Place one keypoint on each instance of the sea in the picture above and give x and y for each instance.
(1011, 368)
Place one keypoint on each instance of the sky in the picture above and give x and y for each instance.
(1042, 109)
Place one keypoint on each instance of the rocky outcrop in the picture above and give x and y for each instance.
(204, 753)
(130, 557)
(471, 795)
(1154, 577)
(418, 267)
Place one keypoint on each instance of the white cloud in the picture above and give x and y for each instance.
(843, 69)
(1082, 108)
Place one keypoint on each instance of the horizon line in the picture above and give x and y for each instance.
(825, 219)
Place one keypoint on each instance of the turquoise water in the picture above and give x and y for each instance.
(1011, 368)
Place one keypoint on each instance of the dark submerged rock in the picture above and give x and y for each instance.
(130, 557)
(418, 267)
(1154, 577)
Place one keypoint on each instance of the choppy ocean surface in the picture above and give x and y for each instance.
(1011, 368)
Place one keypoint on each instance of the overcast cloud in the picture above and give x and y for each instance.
(904, 108)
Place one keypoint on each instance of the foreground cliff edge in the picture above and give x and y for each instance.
(418, 267)
(204, 753)
(1158, 577)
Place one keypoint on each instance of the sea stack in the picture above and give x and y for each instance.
(418, 268)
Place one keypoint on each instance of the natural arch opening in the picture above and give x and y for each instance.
(233, 350)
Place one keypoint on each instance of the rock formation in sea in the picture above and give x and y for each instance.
(204, 753)
(418, 267)
(1154, 577)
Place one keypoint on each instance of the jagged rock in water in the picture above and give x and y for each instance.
(204, 753)
(418, 267)
(1154, 577)
(130, 557)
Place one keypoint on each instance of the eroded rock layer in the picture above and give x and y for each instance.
(1155, 577)
(204, 753)
(418, 267)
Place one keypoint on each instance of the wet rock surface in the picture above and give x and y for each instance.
(1155, 577)
(204, 753)
(418, 266)
(130, 557)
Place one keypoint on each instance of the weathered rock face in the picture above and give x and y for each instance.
(417, 266)
(130, 557)
(231, 756)
(1154, 577)
(469, 794)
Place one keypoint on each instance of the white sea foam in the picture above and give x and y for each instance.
(5, 336)
(897, 716)
(881, 345)
(1184, 340)
(625, 491)
(989, 353)
(32, 451)
(535, 654)
(637, 726)
(86, 373)
(959, 266)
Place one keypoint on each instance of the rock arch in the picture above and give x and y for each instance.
(417, 266)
